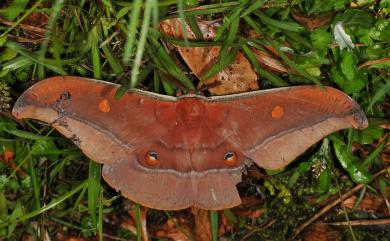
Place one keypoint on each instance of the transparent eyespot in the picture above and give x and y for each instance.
(151, 158)
(230, 158)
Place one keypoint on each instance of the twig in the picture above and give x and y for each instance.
(332, 205)
(25, 40)
(361, 222)
(372, 62)
(254, 230)
(25, 27)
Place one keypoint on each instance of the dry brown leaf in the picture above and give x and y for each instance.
(169, 230)
(385, 155)
(269, 62)
(202, 227)
(28, 237)
(312, 22)
(25, 27)
(252, 34)
(224, 226)
(248, 208)
(198, 228)
(60, 236)
(174, 235)
(254, 171)
(7, 157)
(37, 20)
(129, 225)
(237, 77)
(144, 228)
(322, 232)
(249, 213)
(370, 203)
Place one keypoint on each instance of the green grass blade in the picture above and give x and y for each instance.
(231, 36)
(168, 88)
(274, 79)
(142, 76)
(381, 92)
(223, 63)
(214, 225)
(14, 9)
(373, 155)
(283, 25)
(50, 34)
(45, 208)
(163, 59)
(138, 222)
(94, 36)
(25, 15)
(180, 9)
(114, 63)
(156, 81)
(141, 43)
(206, 9)
(293, 65)
(300, 39)
(181, 229)
(161, 3)
(26, 135)
(34, 181)
(234, 17)
(15, 64)
(100, 217)
(17, 212)
(50, 64)
(79, 199)
(191, 43)
(132, 30)
(253, 24)
(93, 190)
(191, 20)
(256, 5)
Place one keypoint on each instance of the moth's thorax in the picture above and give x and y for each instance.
(190, 112)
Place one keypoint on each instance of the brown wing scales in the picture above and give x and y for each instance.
(174, 153)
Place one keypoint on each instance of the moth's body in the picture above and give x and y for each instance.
(190, 134)
(173, 153)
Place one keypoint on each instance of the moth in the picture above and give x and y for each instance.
(171, 153)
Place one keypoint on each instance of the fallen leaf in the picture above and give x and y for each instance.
(370, 203)
(129, 225)
(202, 227)
(8, 155)
(312, 22)
(37, 19)
(224, 226)
(132, 212)
(237, 77)
(170, 230)
(269, 62)
(248, 207)
(322, 232)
